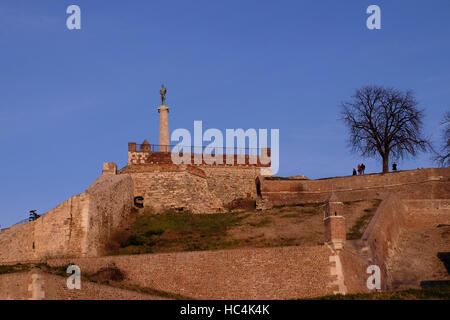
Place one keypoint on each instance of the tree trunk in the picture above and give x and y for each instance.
(386, 164)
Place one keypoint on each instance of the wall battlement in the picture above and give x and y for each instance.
(146, 153)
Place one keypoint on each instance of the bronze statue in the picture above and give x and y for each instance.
(163, 92)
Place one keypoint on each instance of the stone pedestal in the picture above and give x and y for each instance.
(164, 139)
(109, 168)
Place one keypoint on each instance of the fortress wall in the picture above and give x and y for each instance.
(166, 187)
(414, 184)
(110, 203)
(263, 273)
(199, 189)
(60, 232)
(392, 217)
(56, 233)
(422, 214)
(354, 268)
(16, 243)
(383, 232)
(80, 226)
(229, 183)
(14, 286)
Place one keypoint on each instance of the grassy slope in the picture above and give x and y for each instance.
(293, 225)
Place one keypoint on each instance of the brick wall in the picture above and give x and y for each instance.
(265, 273)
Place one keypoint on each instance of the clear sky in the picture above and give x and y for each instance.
(72, 99)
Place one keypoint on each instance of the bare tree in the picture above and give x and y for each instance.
(443, 157)
(384, 122)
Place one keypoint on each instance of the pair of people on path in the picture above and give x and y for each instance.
(361, 169)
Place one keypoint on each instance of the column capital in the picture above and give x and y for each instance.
(163, 108)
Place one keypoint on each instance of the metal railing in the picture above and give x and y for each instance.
(30, 218)
(194, 149)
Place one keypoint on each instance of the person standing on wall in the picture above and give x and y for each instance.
(363, 167)
(394, 167)
(359, 169)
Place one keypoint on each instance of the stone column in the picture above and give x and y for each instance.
(164, 139)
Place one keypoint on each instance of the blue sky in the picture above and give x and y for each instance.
(71, 100)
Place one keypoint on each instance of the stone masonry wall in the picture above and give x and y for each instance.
(383, 232)
(229, 183)
(354, 269)
(264, 273)
(80, 226)
(15, 286)
(199, 189)
(414, 184)
(166, 187)
(422, 214)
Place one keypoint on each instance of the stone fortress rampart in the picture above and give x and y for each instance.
(79, 229)
(433, 183)
(80, 226)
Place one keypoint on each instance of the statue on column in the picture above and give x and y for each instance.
(163, 92)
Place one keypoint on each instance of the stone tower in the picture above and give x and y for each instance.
(334, 222)
(164, 139)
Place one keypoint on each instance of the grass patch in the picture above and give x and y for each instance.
(357, 230)
(303, 205)
(347, 203)
(14, 268)
(261, 223)
(60, 271)
(177, 232)
(441, 293)
(292, 215)
(301, 214)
